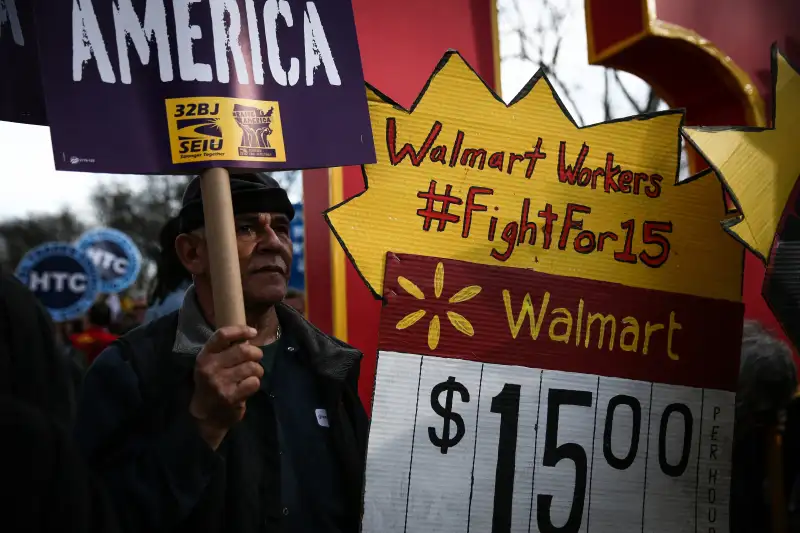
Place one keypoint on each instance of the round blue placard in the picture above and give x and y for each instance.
(62, 277)
(115, 256)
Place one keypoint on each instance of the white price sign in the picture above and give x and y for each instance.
(461, 446)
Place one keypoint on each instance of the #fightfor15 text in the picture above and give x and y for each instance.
(632, 242)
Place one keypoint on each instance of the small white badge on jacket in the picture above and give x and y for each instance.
(322, 417)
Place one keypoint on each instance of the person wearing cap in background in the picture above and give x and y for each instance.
(245, 428)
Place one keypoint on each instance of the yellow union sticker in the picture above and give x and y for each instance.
(464, 176)
(231, 129)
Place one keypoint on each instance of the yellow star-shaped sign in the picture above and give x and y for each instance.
(464, 176)
(759, 166)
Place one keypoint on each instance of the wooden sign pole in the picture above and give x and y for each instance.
(226, 278)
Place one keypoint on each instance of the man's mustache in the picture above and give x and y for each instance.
(279, 266)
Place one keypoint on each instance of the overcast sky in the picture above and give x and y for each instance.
(31, 184)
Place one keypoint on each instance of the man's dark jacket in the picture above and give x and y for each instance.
(135, 428)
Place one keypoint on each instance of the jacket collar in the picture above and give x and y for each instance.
(327, 355)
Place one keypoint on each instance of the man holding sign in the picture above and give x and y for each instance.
(246, 428)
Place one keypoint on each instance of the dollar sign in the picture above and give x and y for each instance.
(446, 412)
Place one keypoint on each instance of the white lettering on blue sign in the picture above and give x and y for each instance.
(226, 28)
(75, 282)
(108, 261)
(129, 30)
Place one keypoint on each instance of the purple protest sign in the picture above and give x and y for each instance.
(21, 97)
(176, 86)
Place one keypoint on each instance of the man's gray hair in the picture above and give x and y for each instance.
(767, 376)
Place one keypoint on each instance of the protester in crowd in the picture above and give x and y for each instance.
(96, 336)
(172, 278)
(296, 299)
(767, 381)
(33, 367)
(248, 428)
(48, 486)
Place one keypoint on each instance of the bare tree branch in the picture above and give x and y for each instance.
(540, 39)
(636, 105)
(653, 101)
(564, 92)
(533, 45)
(556, 50)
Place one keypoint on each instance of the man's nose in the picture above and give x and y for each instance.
(267, 238)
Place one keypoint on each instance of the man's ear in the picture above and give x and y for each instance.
(192, 252)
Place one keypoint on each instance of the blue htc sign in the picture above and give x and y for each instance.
(298, 277)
